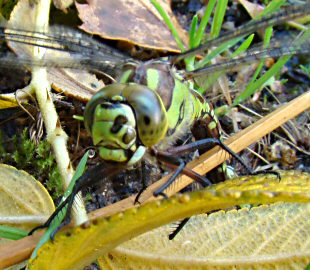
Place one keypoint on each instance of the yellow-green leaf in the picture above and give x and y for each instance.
(6, 102)
(77, 247)
(24, 202)
(265, 237)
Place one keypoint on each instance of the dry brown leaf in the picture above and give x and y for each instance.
(132, 21)
(79, 84)
(63, 4)
(252, 8)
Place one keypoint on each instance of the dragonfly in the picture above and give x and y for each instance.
(152, 104)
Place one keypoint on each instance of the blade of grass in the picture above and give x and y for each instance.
(247, 92)
(218, 18)
(12, 233)
(190, 61)
(205, 83)
(251, 88)
(216, 52)
(243, 47)
(192, 31)
(196, 36)
(170, 25)
(204, 22)
(59, 218)
(273, 6)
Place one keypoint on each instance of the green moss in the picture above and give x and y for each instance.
(37, 159)
(6, 8)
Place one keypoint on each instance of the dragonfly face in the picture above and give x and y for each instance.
(124, 119)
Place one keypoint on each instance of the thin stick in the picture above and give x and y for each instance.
(21, 249)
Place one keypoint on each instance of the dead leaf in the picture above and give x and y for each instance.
(63, 4)
(132, 21)
(74, 83)
(259, 238)
(24, 202)
(79, 84)
(252, 8)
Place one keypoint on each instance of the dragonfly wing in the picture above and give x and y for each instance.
(64, 48)
(206, 76)
(9, 60)
(277, 18)
(60, 38)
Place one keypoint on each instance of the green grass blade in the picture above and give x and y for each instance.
(204, 22)
(271, 72)
(251, 89)
(78, 173)
(253, 86)
(218, 18)
(192, 31)
(170, 25)
(273, 6)
(243, 47)
(57, 221)
(216, 52)
(190, 61)
(305, 69)
(12, 233)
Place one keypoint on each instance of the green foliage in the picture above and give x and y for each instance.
(6, 8)
(12, 233)
(38, 160)
(61, 214)
(305, 69)
(196, 38)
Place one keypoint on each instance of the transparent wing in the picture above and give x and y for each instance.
(251, 56)
(74, 61)
(277, 18)
(85, 52)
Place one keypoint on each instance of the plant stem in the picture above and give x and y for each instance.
(55, 134)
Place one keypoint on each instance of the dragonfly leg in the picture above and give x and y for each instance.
(214, 141)
(179, 227)
(141, 176)
(51, 218)
(178, 165)
(209, 127)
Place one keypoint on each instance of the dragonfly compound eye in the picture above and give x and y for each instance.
(151, 115)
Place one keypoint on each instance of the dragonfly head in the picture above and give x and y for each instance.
(124, 119)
